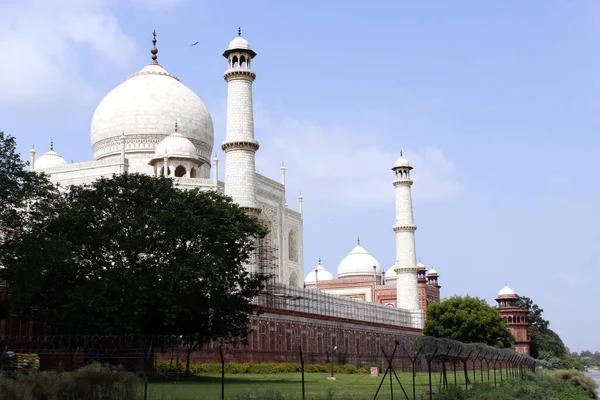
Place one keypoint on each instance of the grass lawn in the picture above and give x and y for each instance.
(265, 386)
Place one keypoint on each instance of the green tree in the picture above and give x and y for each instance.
(469, 320)
(534, 317)
(133, 255)
(24, 195)
(545, 343)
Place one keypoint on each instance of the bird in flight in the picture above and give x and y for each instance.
(193, 44)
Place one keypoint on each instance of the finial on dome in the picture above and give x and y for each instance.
(51, 144)
(400, 153)
(239, 31)
(319, 260)
(358, 240)
(154, 50)
(176, 127)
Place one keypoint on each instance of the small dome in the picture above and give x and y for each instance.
(421, 265)
(239, 43)
(50, 159)
(432, 272)
(176, 145)
(390, 274)
(401, 162)
(506, 292)
(359, 262)
(323, 275)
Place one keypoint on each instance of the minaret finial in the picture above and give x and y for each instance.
(239, 31)
(358, 240)
(400, 153)
(319, 260)
(176, 126)
(154, 50)
(51, 144)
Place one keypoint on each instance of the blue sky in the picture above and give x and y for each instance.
(494, 103)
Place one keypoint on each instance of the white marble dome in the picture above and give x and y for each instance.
(506, 292)
(359, 262)
(176, 145)
(50, 159)
(239, 43)
(432, 272)
(390, 274)
(322, 275)
(144, 109)
(401, 162)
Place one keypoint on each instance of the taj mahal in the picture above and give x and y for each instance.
(153, 124)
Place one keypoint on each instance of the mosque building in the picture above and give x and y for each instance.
(153, 124)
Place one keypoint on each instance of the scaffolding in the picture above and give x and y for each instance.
(283, 297)
(279, 296)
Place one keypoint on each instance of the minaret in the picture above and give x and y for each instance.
(216, 169)
(123, 159)
(407, 292)
(240, 146)
(32, 158)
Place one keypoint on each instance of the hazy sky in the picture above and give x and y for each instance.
(495, 103)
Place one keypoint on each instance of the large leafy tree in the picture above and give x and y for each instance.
(133, 255)
(469, 320)
(25, 198)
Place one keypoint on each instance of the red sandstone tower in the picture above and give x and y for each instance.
(515, 317)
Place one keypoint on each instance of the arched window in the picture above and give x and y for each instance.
(293, 279)
(243, 62)
(180, 171)
(234, 62)
(293, 246)
(193, 173)
(162, 172)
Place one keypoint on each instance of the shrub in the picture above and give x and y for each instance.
(86, 383)
(578, 379)
(168, 367)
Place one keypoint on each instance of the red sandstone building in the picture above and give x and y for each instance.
(516, 318)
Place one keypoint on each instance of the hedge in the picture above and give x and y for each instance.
(165, 366)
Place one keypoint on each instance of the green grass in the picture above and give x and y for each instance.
(289, 386)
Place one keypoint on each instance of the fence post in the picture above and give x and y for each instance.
(222, 372)
(302, 368)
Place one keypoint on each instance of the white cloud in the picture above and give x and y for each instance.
(339, 166)
(158, 3)
(43, 42)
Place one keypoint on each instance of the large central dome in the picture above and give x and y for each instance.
(145, 108)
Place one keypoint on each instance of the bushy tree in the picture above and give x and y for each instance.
(469, 320)
(133, 255)
(545, 343)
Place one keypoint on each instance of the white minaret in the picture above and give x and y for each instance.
(32, 158)
(216, 171)
(239, 145)
(407, 293)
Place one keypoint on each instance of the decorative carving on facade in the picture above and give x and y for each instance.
(405, 228)
(240, 145)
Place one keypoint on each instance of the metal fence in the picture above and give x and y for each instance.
(412, 367)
